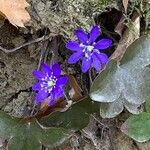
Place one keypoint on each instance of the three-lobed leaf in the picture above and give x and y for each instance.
(32, 135)
(125, 84)
(138, 127)
(25, 136)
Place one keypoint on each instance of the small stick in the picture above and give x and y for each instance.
(99, 121)
(40, 60)
(24, 45)
(42, 54)
(33, 109)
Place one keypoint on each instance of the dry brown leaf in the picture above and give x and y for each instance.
(76, 91)
(15, 12)
(120, 26)
(59, 105)
(128, 37)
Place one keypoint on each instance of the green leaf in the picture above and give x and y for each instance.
(138, 127)
(148, 105)
(76, 117)
(110, 110)
(29, 136)
(127, 83)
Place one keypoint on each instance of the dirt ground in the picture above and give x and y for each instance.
(17, 98)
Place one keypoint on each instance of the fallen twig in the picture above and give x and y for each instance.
(43, 38)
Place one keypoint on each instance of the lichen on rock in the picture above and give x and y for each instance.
(63, 16)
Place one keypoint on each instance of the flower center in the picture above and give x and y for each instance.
(88, 51)
(89, 48)
(51, 83)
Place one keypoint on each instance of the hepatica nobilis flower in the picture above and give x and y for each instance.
(88, 49)
(50, 83)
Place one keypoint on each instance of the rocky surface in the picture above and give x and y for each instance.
(63, 16)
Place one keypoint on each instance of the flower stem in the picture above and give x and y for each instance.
(90, 76)
(65, 96)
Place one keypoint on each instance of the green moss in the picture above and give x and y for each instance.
(143, 8)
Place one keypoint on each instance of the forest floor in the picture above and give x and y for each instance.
(16, 95)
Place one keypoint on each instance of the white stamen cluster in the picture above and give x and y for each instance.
(49, 82)
(87, 49)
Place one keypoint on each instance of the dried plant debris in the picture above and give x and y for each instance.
(15, 11)
(125, 4)
(63, 16)
(129, 36)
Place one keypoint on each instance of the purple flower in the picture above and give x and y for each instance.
(88, 50)
(50, 83)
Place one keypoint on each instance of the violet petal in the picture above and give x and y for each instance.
(102, 57)
(94, 33)
(41, 96)
(56, 70)
(59, 92)
(38, 74)
(103, 44)
(46, 68)
(36, 86)
(75, 57)
(96, 63)
(86, 64)
(73, 46)
(82, 36)
(52, 99)
(62, 81)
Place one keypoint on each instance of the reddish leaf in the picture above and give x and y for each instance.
(129, 36)
(76, 89)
